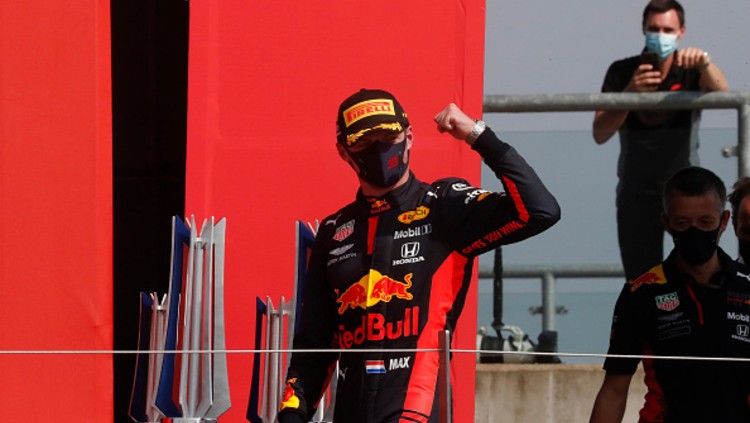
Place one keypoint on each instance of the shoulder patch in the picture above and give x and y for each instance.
(655, 276)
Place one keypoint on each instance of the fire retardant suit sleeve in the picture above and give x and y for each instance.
(310, 373)
(486, 219)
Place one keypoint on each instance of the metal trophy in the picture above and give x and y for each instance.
(266, 394)
(191, 378)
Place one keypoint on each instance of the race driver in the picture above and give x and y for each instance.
(392, 269)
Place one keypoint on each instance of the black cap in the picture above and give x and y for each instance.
(367, 110)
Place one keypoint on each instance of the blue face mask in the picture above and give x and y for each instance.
(660, 43)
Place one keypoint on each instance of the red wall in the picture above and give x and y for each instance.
(265, 80)
(55, 210)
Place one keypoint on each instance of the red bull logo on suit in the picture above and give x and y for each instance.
(373, 288)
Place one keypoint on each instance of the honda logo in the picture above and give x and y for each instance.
(743, 330)
(409, 249)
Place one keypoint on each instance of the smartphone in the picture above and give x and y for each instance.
(651, 58)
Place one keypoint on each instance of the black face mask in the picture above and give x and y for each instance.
(694, 245)
(381, 164)
(745, 251)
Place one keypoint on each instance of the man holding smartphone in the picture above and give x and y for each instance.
(653, 144)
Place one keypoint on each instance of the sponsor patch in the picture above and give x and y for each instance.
(340, 250)
(742, 275)
(670, 317)
(667, 302)
(376, 327)
(374, 367)
(290, 400)
(378, 206)
(409, 254)
(367, 108)
(738, 316)
(483, 195)
(653, 276)
(475, 195)
(343, 231)
(742, 333)
(460, 186)
(341, 258)
(673, 330)
(373, 288)
(419, 213)
(738, 299)
(743, 330)
(413, 232)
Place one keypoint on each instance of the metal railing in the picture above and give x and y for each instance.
(739, 101)
(549, 275)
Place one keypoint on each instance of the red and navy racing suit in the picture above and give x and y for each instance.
(391, 273)
(664, 313)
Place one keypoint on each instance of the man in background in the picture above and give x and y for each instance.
(740, 202)
(653, 144)
(694, 304)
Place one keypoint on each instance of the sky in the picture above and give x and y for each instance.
(535, 47)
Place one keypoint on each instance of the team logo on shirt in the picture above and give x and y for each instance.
(653, 276)
(290, 399)
(667, 302)
(419, 213)
(373, 288)
(343, 231)
(378, 205)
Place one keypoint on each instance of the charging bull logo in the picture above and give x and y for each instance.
(653, 276)
(373, 288)
(290, 399)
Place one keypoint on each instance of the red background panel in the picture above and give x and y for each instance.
(265, 81)
(55, 210)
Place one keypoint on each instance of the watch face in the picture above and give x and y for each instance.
(476, 131)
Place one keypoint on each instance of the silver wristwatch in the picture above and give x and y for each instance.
(476, 131)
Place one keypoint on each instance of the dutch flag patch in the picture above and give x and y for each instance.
(374, 366)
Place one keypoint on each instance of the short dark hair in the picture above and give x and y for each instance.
(694, 181)
(740, 190)
(662, 6)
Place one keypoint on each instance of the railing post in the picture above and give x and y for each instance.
(444, 376)
(548, 302)
(743, 135)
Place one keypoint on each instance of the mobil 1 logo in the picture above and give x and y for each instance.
(413, 232)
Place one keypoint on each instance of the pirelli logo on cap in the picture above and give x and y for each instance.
(367, 108)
